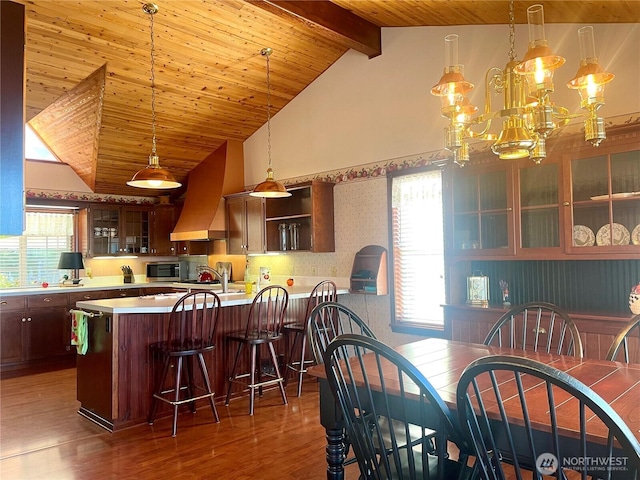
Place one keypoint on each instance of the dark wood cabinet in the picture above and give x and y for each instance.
(34, 327)
(163, 220)
(116, 230)
(305, 219)
(191, 247)
(245, 224)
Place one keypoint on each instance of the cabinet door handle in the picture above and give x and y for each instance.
(46, 299)
(28, 319)
(87, 297)
(3, 302)
(24, 320)
(566, 204)
(509, 209)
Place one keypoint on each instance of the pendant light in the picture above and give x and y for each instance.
(270, 188)
(153, 175)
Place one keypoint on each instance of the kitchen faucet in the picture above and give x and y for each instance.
(223, 277)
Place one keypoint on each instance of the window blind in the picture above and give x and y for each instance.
(32, 258)
(418, 248)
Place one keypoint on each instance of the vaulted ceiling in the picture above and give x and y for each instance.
(88, 68)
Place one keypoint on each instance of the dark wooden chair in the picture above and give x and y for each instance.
(537, 326)
(325, 291)
(191, 334)
(498, 399)
(264, 327)
(627, 342)
(402, 396)
(328, 320)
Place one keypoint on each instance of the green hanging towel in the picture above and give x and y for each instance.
(79, 333)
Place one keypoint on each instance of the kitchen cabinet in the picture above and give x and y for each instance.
(192, 247)
(163, 220)
(116, 230)
(34, 327)
(245, 224)
(308, 211)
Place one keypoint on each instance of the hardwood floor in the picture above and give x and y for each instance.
(43, 437)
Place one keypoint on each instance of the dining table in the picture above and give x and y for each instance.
(442, 362)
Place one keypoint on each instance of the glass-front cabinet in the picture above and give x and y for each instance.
(114, 230)
(539, 207)
(483, 211)
(605, 201)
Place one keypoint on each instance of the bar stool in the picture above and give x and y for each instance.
(264, 327)
(325, 291)
(191, 333)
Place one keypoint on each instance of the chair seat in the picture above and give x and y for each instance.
(297, 327)
(183, 348)
(254, 338)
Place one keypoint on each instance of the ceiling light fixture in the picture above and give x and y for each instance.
(270, 188)
(153, 175)
(529, 114)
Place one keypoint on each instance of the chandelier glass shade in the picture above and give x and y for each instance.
(270, 188)
(529, 116)
(153, 175)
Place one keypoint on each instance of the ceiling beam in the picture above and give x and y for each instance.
(331, 20)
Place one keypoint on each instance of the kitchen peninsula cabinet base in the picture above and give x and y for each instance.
(117, 376)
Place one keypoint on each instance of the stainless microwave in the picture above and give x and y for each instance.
(163, 272)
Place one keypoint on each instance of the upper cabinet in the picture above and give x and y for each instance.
(114, 230)
(580, 201)
(245, 224)
(303, 221)
(483, 211)
(605, 203)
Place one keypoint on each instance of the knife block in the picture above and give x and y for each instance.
(128, 278)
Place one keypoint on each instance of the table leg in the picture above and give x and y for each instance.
(331, 420)
(335, 454)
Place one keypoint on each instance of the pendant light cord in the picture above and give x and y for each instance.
(153, 90)
(267, 52)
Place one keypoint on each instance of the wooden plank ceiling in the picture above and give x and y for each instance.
(210, 76)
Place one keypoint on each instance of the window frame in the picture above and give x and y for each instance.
(416, 328)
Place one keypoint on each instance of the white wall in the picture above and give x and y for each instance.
(38, 175)
(361, 111)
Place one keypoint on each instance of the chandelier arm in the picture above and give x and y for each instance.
(493, 74)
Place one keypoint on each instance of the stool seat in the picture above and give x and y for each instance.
(191, 334)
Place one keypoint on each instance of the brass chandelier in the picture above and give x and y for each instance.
(153, 175)
(528, 112)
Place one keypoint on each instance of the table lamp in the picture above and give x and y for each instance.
(71, 261)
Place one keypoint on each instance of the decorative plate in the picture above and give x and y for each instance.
(620, 235)
(635, 235)
(583, 236)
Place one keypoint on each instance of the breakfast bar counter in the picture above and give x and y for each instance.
(116, 376)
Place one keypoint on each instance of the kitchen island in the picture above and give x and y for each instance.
(116, 376)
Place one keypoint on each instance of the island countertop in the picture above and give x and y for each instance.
(163, 303)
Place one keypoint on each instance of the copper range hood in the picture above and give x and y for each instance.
(203, 214)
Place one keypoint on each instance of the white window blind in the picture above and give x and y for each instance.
(32, 258)
(418, 248)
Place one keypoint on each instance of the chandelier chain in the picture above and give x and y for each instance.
(512, 32)
(153, 90)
